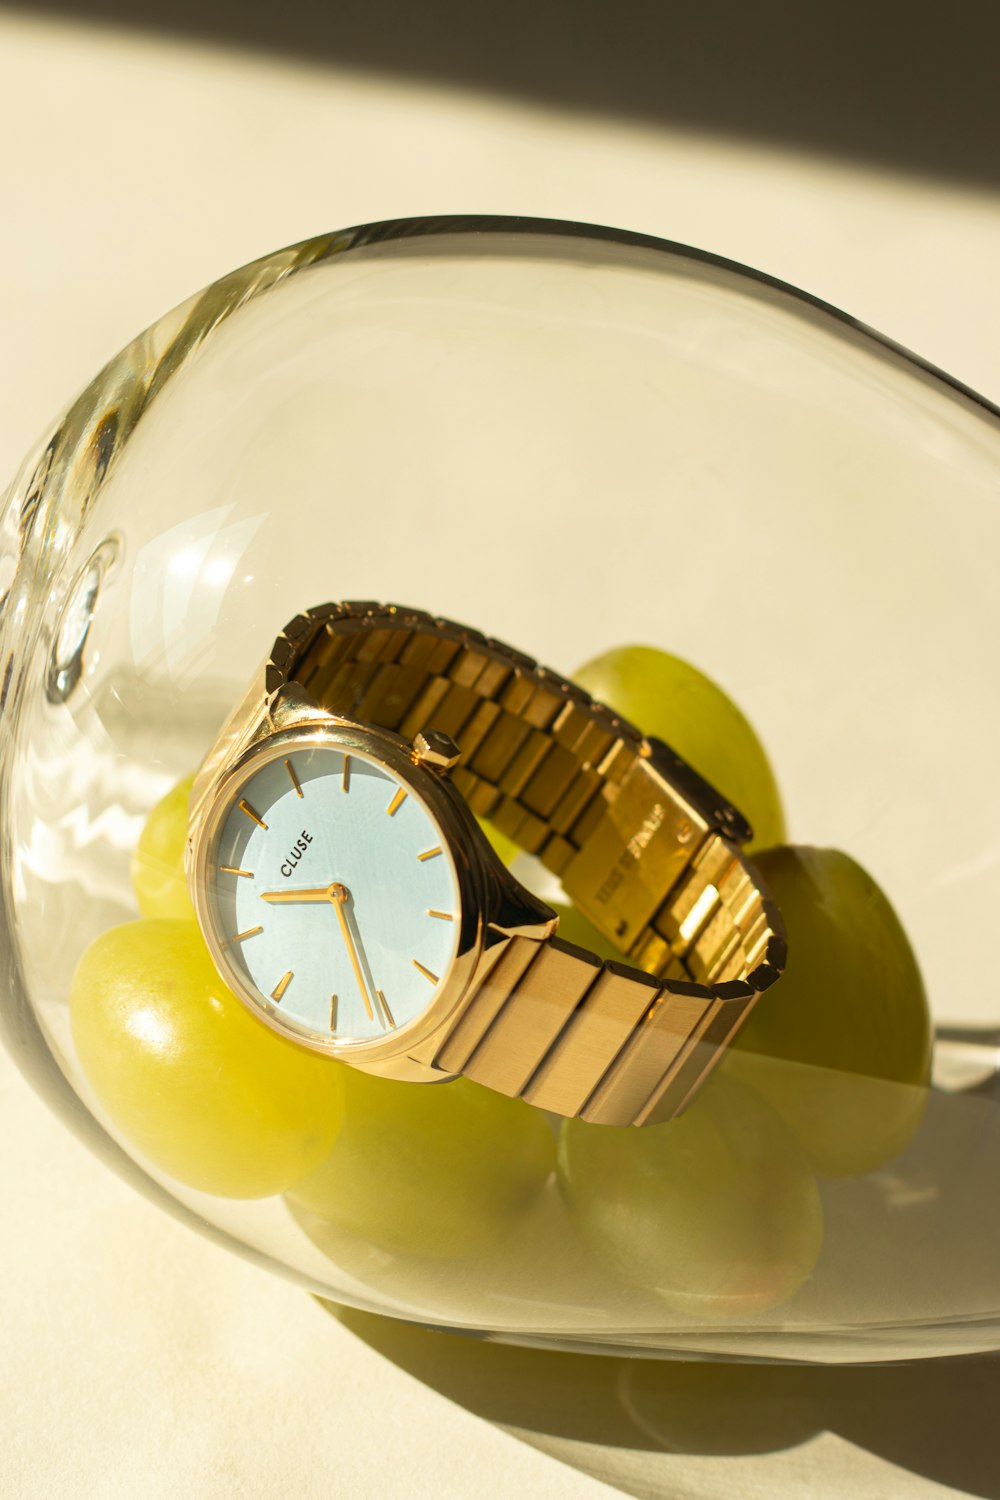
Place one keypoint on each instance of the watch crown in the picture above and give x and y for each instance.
(435, 750)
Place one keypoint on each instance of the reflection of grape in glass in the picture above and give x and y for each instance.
(901, 1240)
(716, 1212)
(841, 1045)
(189, 1077)
(426, 1169)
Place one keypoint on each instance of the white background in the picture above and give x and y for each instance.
(139, 1359)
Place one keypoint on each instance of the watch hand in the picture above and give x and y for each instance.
(318, 893)
(382, 1013)
(338, 895)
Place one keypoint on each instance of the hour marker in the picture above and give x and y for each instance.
(385, 1006)
(430, 853)
(250, 932)
(333, 1012)
(282, 985)
(446, 916)
(345, 783)
(295, 780)
(245, 807)
(232, 870)
(397, 801)
(427, 973)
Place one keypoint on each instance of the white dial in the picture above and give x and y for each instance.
(333, 895)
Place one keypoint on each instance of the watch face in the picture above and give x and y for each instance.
(332, 895)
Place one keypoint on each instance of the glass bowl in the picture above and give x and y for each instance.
(571, 438)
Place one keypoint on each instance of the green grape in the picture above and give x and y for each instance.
(439, 1170)
(158, 861)
(841, 1045)
(196, 1083)
(667, 697)
(715, 1212)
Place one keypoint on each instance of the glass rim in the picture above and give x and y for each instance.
(425, 227)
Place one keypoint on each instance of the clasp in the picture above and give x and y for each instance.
(652, 823)
(720, 816)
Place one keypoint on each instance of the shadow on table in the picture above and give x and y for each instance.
(611, 1417)
(913, 87)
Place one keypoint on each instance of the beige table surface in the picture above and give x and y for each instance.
(139, 1359)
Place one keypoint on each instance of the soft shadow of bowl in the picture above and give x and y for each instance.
(658, 1428)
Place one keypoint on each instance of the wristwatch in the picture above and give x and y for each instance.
(350, 898)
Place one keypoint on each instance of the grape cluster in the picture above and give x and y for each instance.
(716, 1213)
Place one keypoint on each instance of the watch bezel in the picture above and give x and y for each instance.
(439, 799)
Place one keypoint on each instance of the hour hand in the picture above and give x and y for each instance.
(317, 893)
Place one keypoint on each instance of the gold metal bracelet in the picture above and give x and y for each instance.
(646, 849)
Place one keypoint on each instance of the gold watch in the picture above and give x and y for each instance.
(350, 898)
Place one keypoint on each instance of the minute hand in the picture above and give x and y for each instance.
(338, 895)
